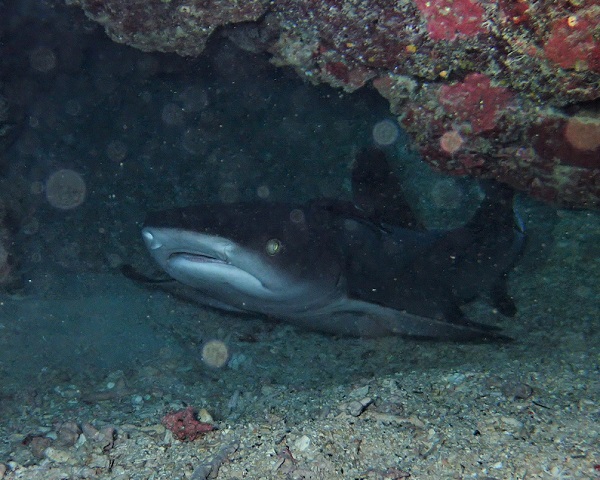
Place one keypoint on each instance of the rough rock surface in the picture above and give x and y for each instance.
(169, 26)
(505, 89)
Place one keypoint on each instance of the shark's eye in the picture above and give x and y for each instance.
(273, 246)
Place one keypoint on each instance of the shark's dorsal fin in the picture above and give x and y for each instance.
(377, 191)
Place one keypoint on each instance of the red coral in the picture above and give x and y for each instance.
(475, 101)
(350, 77)
(446, 19)
(572, 43)
(184, 425)
(517, 11)
(339, 70)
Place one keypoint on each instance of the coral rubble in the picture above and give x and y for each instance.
(185, 426)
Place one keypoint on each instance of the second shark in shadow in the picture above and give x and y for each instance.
(364, 268)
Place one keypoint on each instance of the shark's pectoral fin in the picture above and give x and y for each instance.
(405, 323)
(177, 289)
(360, 318)
(132, 273)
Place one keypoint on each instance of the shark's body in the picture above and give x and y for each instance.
(342, 267)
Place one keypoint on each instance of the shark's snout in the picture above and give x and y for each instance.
(151, 241)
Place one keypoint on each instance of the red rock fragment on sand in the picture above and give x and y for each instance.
(185, 426)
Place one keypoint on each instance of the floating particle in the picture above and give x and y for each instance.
(4, 265)
(451, 141)
(263, 192)
(385, 132)
(172, 114)
(36, 188)
(583, 132)
(446, 193)
(145, 96)
(215, 353)
(42, 59)
(297, 216)
(65, 189)
(31, 226)
(229, 192)
(28, 143)
(105, 83)
(193, 141)
(114, 260)
(116, 151)
(194, 99)
(73, 107)
(148, 65)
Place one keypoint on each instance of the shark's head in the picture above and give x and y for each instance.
(271, 258)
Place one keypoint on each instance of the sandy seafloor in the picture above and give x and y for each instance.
(284, 404)
(90, 362)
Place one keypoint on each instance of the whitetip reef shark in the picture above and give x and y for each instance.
(365, 267)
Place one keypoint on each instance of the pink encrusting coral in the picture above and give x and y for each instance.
(185, 426)
(475, 101)
(574, 41)
(447, 19)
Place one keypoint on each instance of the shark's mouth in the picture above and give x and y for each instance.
(196, 258)
(212, 273)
